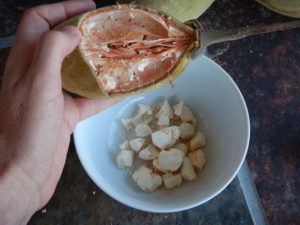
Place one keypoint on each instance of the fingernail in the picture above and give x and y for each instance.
(72, 31)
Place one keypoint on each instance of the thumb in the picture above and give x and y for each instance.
(51, 49)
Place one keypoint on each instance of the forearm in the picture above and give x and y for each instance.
(17, 205)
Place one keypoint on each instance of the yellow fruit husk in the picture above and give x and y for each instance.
(285, 7)
(182, 10)
(79, 78)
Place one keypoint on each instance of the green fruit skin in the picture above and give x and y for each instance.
(182, 10)
(78, 78)
(285, 7)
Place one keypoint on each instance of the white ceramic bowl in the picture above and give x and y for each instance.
(215, 100)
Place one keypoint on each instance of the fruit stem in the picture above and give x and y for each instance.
(210, 37)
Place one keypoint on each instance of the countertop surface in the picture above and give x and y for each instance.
(267, 71)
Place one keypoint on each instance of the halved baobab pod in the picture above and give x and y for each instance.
(126, 50)
(183, 10)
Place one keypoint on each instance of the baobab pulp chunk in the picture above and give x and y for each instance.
(146, 179)
(187, 130)
(187, 170)
(182, 147)
(171, 181)
(142, 130)
(197, 159)
(166, 137)
(170, 160)
(149, 153)
(125, 159)
(137, 144)
(198, 141)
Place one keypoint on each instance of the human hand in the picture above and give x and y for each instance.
(36, 116)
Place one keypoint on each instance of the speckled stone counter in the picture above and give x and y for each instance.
(267, 70)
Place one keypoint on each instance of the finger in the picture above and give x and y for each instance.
(34, 23)
(45, 71)
(90, 107)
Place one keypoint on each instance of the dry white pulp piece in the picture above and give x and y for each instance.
(198, 141)
(163, 120)
(197, 159)
(125, 159)
(173, 146)
(127, 123)
(170, 160)
(155, 163)
(183, 112)
(165, 110)
(186, 115)
(182, 147)
(187, 170)
(142, 130)
(178, 108)
(149, 153)
(166, 137)
(143, 110)
(146, 179)
(137, 144)
(171, 181)
(187, 130)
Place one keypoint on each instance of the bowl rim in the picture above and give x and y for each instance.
(207, 198)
